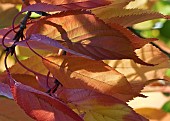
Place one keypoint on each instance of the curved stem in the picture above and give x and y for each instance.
(36, 73)
(11, 80)
(13, 21)
(3, 39)
(48, 75)
(163, 51)
(34, 51)
(6, 67)
(154, 80)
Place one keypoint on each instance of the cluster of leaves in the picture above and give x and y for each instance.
(90, 64)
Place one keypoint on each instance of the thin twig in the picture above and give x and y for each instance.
(154, 44)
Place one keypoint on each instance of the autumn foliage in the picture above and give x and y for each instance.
(90, 64)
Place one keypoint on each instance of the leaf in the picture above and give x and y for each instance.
(40, 106)
(5, 90)
(153, 114)
(33, 41)
(125, 17)
(10, 111)
(46, 43)
(163, 89)
(64, 5)
(43, 42)
(11, 1)
(120, 3)
(166, 107)
(26, 79)
(137, 74)
(44, 83)
(9, 38)
(136, 41)
(34, 63)
(98, 107)
(82, 73)
(7, 17)
(53, 5)
(89, 36)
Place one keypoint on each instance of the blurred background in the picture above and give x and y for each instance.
(156, 106)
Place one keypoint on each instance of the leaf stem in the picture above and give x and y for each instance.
(35, 73)
(6, 66)
(3, 39)
(47, 80)
(165, 52)
(154, 44)
(34, 51)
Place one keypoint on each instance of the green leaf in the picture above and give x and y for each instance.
(164, 31)
(166, 107)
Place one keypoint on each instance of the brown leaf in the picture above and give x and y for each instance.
(78, 72)
(90, 36)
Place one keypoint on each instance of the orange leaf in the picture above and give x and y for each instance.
(98, 107)
(11, 1)
(34, 63)
(26, 79)
(154, 114)
(78, 72)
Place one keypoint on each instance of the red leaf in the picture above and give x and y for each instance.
(43, 42)
(42, 80)
(97, 106)
(41, 106)
(57, 5)
(9, 38)
(82, 73)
